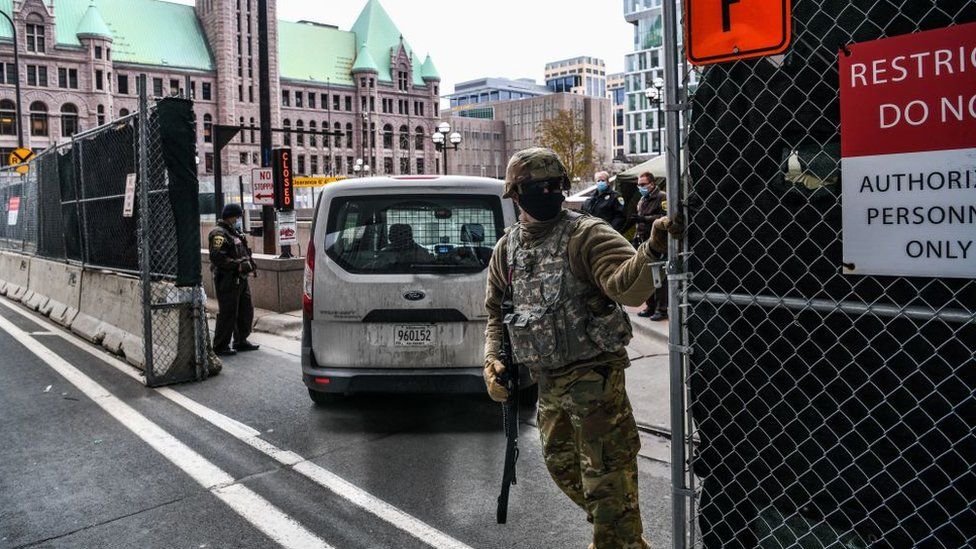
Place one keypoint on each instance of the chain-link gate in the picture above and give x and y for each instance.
(69, 207)
(810, 408)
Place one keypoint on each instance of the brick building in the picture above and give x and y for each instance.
(79, 60)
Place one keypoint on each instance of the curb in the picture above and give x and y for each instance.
(645, 329)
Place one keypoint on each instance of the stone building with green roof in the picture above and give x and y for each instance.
(79, 60)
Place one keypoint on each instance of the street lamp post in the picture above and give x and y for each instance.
(361, 168)
(655, 97)
(441, 138)
(20, 118)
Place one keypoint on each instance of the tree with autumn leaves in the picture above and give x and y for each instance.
(565, 134)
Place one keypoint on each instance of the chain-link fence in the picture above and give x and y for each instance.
(72, 206)
(813, 408)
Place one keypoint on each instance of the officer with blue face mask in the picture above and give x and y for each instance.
(231, 265)
(606, 203)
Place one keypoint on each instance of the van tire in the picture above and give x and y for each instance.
(529, 396)
(323, 399)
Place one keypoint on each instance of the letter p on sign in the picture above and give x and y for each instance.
(717, 31)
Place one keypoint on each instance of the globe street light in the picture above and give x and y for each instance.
(441, 138)
(655, 97)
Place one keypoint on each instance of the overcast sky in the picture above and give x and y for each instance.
(509, 38)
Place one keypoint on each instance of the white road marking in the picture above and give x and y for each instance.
(250, 436)
(259, 512)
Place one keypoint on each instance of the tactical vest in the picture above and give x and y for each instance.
(553, 324)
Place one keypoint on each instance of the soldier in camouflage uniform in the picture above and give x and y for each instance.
(568, 274)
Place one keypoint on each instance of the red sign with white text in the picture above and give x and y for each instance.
(909, 93)
(908, 148)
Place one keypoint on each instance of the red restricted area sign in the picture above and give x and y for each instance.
(908, 147)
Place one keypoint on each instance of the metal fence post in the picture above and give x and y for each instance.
(675, 266)
(144, 260)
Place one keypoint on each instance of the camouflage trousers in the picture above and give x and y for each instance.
(590, 444)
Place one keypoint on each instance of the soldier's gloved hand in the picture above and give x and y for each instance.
(496, 390)
(247, 267)
(662, 228)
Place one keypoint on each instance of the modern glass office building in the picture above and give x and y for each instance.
(488, 90)
(642, 67)
(580, 75)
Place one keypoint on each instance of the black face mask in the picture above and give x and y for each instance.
(542, 206)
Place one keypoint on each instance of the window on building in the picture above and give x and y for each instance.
(174, 86)
(285, 98)
(313, 164)
(35, 34)
(327, 164)
(372, 104)
(301, 164)
(98, 52)
(404, 138)
(335, 102)
(419, 138)
(205, 91)
(286, 125)
(157, 87)
(38, 119)
(421, 168)
(362, 81)
(349, 164)
(388, 165)
(208, 162)
(100, 115)
(207, 128)
(37, 76)
(299, 99)
(311, 100)
(8, 117)
(324, 101)
(312, 127)
(402, 80)
(125, 112)
(69, 120)
(387, 136)
(99, 80)
(299, 136)
(349, 135)
(7, 73)
(244, 157)
(123, 87)
(242, 133)
(348, 103)
(404, 166)
(251, 130)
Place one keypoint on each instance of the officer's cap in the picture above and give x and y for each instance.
(231, 210)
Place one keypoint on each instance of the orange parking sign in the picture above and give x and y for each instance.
(717, 31)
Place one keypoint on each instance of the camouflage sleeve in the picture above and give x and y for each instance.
(493, 299)
(599, 254)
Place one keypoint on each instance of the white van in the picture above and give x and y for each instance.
(395, 284)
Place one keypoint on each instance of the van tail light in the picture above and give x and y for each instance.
(308, 282)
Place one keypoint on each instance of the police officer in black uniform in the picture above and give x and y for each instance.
(231, 264)
(606, 203)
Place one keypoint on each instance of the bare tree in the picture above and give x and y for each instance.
(565, 134)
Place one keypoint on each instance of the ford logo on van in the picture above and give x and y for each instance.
(415, 295)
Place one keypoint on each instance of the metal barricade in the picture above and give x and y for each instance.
(809, 408)
(68, 207)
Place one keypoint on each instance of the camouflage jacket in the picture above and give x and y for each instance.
(583, 269)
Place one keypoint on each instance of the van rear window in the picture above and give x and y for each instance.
(413, 233)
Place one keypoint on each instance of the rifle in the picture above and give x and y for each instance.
(510, 408)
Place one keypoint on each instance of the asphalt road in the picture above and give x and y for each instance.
(89, 457)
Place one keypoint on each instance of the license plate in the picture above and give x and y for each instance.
(413, 336)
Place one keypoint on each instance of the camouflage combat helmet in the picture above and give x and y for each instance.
(534, 164)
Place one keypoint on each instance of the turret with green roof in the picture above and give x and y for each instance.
(364, 61)
(375, 29)
(92, 25)
(428, 71)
